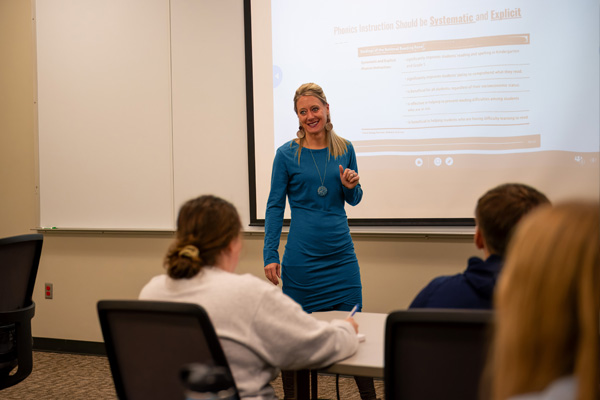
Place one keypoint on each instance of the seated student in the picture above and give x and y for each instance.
(547, 305)
(261, 329)
(496, 214)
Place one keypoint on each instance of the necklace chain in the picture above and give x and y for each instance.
(322, 190)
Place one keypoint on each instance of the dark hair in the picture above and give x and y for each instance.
(205, 227)
(499, 210)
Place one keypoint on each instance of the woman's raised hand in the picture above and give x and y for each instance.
(349, 177)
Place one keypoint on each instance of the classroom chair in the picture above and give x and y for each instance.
(435, 354)
(19, 261)
(149, 344)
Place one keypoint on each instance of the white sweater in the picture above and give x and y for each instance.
(564, 388)
(261, 329)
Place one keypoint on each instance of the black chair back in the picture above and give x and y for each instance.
(19, 261)
(149, 342)
(435, 354)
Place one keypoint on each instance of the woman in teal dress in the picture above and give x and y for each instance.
(317, 172)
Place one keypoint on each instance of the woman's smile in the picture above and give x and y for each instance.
(312, 114)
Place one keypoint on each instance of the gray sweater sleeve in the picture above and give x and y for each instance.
(289, 338)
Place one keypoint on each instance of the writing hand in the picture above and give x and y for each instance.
(353, 322)
(349, 177)
(273, 272)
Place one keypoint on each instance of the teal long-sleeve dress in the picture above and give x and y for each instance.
(319, 269)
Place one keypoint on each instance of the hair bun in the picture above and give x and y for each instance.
(190, 252)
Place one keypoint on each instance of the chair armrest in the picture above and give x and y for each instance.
(20, 315)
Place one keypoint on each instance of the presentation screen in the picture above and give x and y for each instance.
(441, 100)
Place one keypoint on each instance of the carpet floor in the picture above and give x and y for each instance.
(60, 376)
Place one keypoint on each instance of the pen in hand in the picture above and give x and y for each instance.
(351, 320)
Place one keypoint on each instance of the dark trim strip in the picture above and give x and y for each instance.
(250, 109)
(69, 346)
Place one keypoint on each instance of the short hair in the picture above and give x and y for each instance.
(547, 303)
(499, 210)
(207, 225)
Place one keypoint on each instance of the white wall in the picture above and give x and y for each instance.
(85, 268)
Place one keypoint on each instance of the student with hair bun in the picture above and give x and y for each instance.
(261, 329)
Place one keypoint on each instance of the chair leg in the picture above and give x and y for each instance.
(289, 390)
(314, 385)
(366, 387)
(296, 384)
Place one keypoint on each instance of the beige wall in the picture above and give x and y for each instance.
(85, 268)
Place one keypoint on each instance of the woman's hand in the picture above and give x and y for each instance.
(348, 177)
(273, 272)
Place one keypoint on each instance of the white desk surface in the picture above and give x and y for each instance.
(368, 360)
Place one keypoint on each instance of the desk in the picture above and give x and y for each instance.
(367, 361)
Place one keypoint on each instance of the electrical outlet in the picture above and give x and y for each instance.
(49, 290)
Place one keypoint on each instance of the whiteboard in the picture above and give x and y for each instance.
(140, 108)
(209, 102)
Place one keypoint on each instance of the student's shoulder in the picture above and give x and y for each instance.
(155, 283)
(252, 281)
(446, 281)
(439, 289)
(158, 280)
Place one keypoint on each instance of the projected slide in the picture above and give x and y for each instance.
(442, 100)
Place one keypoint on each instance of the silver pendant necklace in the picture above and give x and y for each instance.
(322, 190)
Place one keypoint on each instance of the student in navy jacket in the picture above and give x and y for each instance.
(496, 214)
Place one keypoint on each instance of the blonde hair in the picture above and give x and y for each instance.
(337, 145)
(548, 303)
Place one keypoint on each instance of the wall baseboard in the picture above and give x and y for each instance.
(69, 346)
